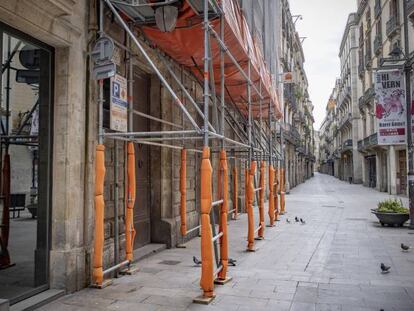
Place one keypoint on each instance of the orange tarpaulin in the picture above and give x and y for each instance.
(185, 45)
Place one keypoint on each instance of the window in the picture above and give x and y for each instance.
(394, 9)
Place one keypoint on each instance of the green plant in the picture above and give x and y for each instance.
(392, 206)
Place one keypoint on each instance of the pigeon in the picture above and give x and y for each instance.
(302, 221)
(196, 261)
(405, 248)
(384, 268)
(296, 219)
(287, 220)
(232, 262)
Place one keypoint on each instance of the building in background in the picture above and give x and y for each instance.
(46, 55)
(347, 111)
(374, 32)
(298, 109)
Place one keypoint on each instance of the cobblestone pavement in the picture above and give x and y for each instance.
(330, 263)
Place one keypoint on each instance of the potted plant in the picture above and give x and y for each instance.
(391, 212)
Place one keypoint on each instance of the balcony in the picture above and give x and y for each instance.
(410, 8)
(361, 68)
(368, 143)
(377, 44)
(369, 93)
(290, 97)
(366, 98)
(345, 120)
(392, 27)
(347, 145)
(368, 58)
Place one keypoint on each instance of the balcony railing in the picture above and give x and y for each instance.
(361, 68)
(347, 145)
(392, 26)
(368, 142)
(290, 97)
(377, 44)
(410, 7)
(368, 58)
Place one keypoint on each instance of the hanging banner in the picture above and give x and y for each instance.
(390, 107)
(119, 104)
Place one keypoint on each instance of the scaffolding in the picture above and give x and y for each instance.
(252, 101)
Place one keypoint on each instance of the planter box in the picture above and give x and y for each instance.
(391, 219)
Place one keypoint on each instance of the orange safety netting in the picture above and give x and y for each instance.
(185, 45)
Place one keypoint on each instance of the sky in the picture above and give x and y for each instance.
(323, 25)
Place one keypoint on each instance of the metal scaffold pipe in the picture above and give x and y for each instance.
(151, 63)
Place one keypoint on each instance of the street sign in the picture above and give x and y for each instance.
(118, 104)
(104, 71)
(390, 110)
(102, 54)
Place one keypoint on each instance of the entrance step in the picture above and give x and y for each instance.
(4, 305)
(148, 250)
(38, 300)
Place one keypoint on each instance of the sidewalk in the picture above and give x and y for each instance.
(330, 263)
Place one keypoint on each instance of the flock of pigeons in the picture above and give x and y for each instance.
(296, 220)
(386, 269)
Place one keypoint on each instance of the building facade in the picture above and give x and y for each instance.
(298, 109)
(374, 33)
(49, 107)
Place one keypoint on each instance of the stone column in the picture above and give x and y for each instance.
(392, 170)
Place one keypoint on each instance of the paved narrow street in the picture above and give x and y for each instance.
(330, 263)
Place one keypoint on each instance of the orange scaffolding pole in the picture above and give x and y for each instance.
(260, 233)
(271, 211)
(223, 192)
(183, 191)
(99, 215)
(206, 195)
(129, 217)
(250, 212)
(235, 193)
(276, 195)
(282, 191)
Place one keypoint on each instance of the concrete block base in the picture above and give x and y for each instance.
(204, 300)
(129, 271)
(104, 284)
(222, 282)
(251, 250)
(4, 305)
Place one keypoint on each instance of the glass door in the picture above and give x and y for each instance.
(25, 162)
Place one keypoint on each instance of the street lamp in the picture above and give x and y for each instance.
(396, 61)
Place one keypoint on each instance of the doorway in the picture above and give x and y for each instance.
(142, 213)
(372, 171)
(402, 173)
(25, 160)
